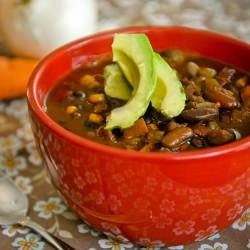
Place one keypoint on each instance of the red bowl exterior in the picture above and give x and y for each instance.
(152, 199)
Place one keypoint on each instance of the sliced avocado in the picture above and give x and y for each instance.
(134, 55)
(168, 97)
(115, 84)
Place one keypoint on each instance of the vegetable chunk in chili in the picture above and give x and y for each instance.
(217, 109)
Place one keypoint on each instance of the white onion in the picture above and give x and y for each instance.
(33, 28)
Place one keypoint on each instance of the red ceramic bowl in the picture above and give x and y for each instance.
(152, 199)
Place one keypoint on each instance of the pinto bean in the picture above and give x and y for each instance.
(216, 93)
(177, 137)
(220, 136)
(200, 114)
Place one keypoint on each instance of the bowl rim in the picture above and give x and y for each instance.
(33, 103)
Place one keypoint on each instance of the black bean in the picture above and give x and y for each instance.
(117, 132)
(114, 103)
(154, 116)
(162, 125)
(91, 125)
(62, 123)
(78, 94)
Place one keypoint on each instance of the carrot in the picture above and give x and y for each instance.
(14, 76)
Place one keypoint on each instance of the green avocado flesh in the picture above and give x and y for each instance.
(168, 97)
(135, 57)
(116, 85)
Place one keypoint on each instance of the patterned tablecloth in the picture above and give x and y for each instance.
(20, 160)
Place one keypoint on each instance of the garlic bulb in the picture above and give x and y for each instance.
(33, 28)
